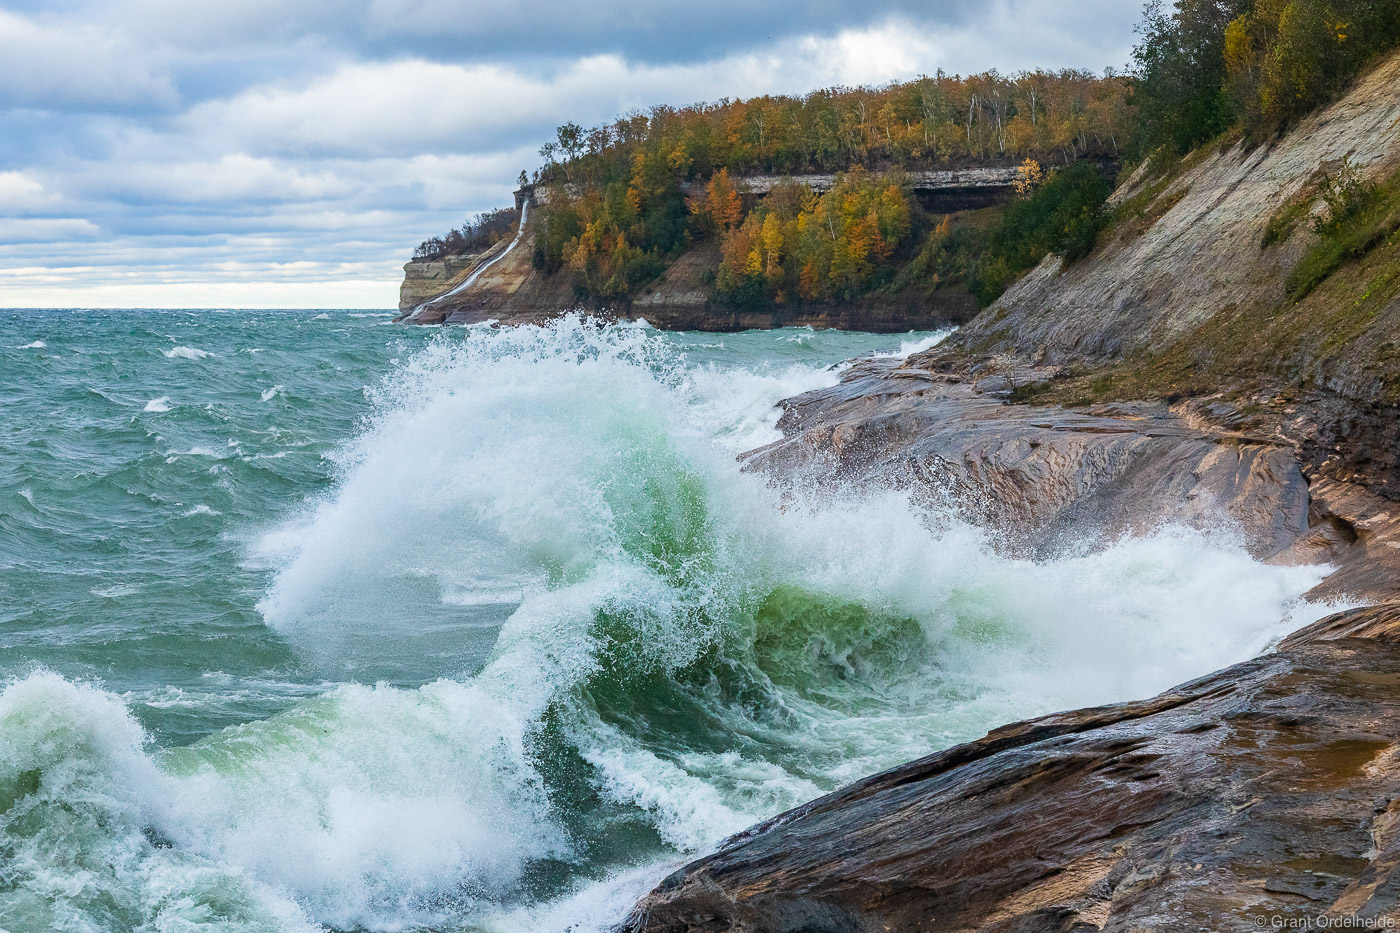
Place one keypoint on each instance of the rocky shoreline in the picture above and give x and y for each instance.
(1263, 796)
(1268, 790)
(1168, 377)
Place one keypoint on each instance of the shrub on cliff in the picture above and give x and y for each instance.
(1358, 217)
(474, 236)
(1064, 215)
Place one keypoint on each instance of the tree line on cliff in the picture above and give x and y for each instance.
(627, 197)
(1207, 67)
(488, 229)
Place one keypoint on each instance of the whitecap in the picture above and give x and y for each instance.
(270, 394)
(187, 353)
(161, 404)
(117, 591)
(36, 345)
(909, 347)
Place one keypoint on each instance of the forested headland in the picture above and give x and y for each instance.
(619, 202)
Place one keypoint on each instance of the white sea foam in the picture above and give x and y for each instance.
(36, 345)
(738, 407)
(270, 394)
(85, 790)
(909, 347)
(187, 353)
(161, 404)
(537, 438)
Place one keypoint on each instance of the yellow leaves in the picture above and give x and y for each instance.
(833, 247)
(1239, 44)
(755, 262)
(680, 159)
(772, 240)
(1029, 176)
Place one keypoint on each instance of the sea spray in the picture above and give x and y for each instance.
(81, 807)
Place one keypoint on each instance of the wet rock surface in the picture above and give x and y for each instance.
(1263, 796)
(1040, 476)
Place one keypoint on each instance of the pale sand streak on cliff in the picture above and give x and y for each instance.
(471, 279)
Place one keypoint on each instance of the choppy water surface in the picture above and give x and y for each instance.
(314, 622)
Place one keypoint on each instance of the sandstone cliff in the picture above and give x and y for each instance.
(425, 279)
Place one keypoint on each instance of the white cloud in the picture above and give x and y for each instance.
(402, 106)
(22, 194)
(236, 177)
(42, 229)
(413, 105)
(74, 64)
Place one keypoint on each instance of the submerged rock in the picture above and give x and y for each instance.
(1261, 797)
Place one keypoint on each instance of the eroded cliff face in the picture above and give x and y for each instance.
(1193, 247)
(424, 279)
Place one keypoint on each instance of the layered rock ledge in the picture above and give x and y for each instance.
(1265, 796)
(1044, 477)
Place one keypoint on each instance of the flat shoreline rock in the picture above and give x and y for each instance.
(1262, 796)
(1043, 478)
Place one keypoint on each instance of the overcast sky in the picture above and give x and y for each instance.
(291, 153)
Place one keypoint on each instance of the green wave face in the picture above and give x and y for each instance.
(531, 638)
